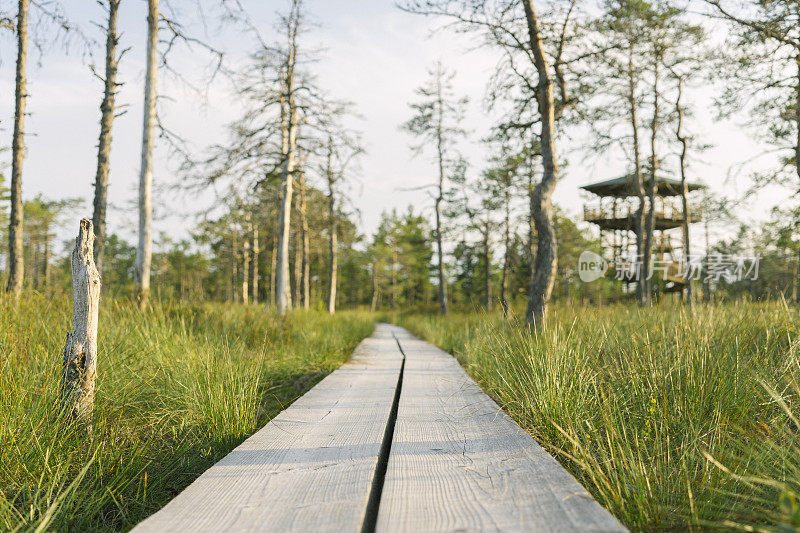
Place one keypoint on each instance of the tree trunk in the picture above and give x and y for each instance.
(297, 263)
(246, 271)
(282, 284)
(104, 142)
(254, 266)
(506, 244)
(144, 250)
(706, 279)
(305, 272)
(332, 242)
(234, 268)
(797, 279)
(797, 118)
(373, 305)
(33, 259)
(440, 196)
(80, 351)
(651, 188)
(641, 279)
(487, 270)
(16, 262)
(47, 261)
(394, 277)
(546, 259)
(273, 274)
(531, 223)
(289, 133)
(684, 194)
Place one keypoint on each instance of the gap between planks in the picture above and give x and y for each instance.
(459, 463)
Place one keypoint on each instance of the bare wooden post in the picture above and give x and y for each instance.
(80, 350)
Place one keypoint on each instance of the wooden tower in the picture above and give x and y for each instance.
(613, 209)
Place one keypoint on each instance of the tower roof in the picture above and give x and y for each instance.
(623, 187)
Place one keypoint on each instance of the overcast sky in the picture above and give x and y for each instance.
(375, 55)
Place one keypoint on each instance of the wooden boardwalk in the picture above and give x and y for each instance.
(397, 439)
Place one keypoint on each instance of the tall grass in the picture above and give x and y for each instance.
(672, 421)
(178, 387)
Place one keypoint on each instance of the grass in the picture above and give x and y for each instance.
(178, 387)
(672, 421)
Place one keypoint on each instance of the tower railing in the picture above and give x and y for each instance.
(665, 211)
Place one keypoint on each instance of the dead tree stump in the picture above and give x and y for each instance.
(80, 350)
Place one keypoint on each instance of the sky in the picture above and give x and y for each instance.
(373, 54)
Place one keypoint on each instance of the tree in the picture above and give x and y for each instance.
(151, 121)
(382, 250)
(144, 249)
(436, 120)
(265, 142)
(763, 61)
(302, 267)
(621, 36)
(340, 147)
(480, 202)
(670, 34)
(4, 197)
(526, 39)
(401, 253)
(683, 67)
(107, 111)
(289, 122)
(15, 251)
(636, 43)
(41, 216)
(546, 260)
(505, 181)
(786, 225)
(482, 220)
(684, 141)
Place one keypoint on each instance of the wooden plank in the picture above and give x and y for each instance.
(308, 469)
(458, 463)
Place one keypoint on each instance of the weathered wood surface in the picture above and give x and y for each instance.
(79, 367)
(310, 468)
(458, 463)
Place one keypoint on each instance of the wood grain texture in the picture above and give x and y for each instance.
(308, 469)
(79, 368)
(458, 463)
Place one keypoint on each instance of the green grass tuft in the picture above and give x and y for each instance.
(178, 387)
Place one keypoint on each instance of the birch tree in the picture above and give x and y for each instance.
(289, 122)
(255, 250)
(107, 112)
(151, 122)
(144, 249)
(437, 121)
(302, 266)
